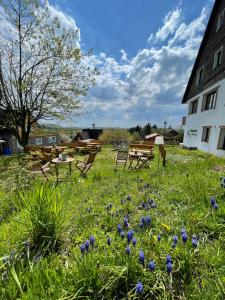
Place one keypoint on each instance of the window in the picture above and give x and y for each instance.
(218, 58)
(221, 142)
(205, 134)
(51, 139)
(220, 21)
(193, 107)
(209, 101)
(38, 141)
(200, 73)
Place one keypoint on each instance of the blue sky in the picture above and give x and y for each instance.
(144, 50)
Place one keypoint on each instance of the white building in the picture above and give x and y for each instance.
(205, 93)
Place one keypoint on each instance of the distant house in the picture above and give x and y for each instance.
(204, 127)
(151, 137)
(11, 145)
(88, 133)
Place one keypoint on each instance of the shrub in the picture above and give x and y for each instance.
(110, 135)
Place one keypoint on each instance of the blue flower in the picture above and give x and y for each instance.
(215, 206)
(175, 239)
(182, 231)
(159, 237)
(119, 228)
(194, 241)
(82, 248)
(169, 267)
(127, 249)
(129, 236)
(139, 288)
(184, 237)
(92, 240)
(109, 241)
(141, 225)
(86, 245)
(151, 266)
(125, 221)
(134, 242)
(143, 220)
(168, 259)
(212, 201)
(141, 257)
(122, 234)
(148, 220)
(129, 197)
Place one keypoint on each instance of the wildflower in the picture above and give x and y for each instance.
(212, 201)
(122, 234)
(125, 221)
(127, 249)
(141, 225)
(139, 288)
(143, 220)
(150, 201)
(134, 242)
(215, 206)
(119, 228)
(82, 248)
(168, 259)
(92, 240)
(182, 231)
(87, 244)
(184, 237)
(141, 257)
(129, 236)
(159, 237)
(194, 241)
(129, 197)
(169, 267)
(148, 220)
(151, 266)
(175, 239)
(109, 241)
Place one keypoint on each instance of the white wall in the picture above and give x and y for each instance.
(214, 118)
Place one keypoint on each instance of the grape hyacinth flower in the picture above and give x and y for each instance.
(159, 237)
(148, 220)
(168, 259)
(119, 228)
(122, 234)
(215, 206)
(129, 197)
(175, 239)
(194, 241)
(212, 201)
(109, 241)
(169, 267)
(141, 225)
(184, 237)
(125, 221)
(129, 236)
(82, 248)
(87, 244)
(151, 266)
(143, 220)
(92, 240)
(139, 288)
(134, 242)
(127, 249)
(141, 257)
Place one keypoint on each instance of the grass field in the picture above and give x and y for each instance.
(117, 234)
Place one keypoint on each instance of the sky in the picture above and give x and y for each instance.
(144, 51)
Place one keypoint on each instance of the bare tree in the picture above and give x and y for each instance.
(42, 69)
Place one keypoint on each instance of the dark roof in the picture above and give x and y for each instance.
(204, 40)
(94, 133)
(81, 135)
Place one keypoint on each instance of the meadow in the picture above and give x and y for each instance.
(117, 234)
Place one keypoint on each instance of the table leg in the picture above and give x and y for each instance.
(57, 173)
(70, 168)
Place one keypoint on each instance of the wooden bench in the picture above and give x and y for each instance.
(146, 149)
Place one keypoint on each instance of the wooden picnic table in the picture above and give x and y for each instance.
(135, 157)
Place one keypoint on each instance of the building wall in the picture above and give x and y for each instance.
(214, 118)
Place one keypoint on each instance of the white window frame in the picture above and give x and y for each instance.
(221, 138)
(205, 138)
(220, 21)
(199, 80)
(205, 97)
(52, 139)
(216, 64)
(38, 141)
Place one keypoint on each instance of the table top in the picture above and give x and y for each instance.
(135, 154)
(60, 161)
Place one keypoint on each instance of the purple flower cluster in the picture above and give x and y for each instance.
(184, 235)
(85, 246)
(139, 288)
(145, 221)
(169, 266)
(213, 203)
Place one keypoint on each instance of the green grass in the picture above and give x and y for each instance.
(40, 239)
